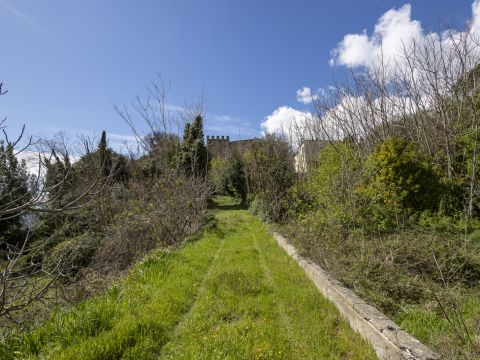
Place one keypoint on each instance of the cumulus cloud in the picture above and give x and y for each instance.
(288, 121)
(33, 160)
(394, 31)
(475, 23)
(284, 119)
(305, 96)
(354, 50)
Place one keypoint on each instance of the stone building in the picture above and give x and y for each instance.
(306, 158)
(218, 146)
(222, 146)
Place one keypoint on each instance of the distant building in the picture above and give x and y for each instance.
(218, 146)
(222, 146)
(306, 158)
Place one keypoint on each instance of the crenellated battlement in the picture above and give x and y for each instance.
(218, 145)
(222, 146)
(217, 139)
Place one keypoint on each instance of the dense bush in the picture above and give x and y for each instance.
(228, 176)
(269, 174)
(173, 208)
(327, 191)
(74, 253)
(393, 269)
(388, 224)
(93, 217)
(400, 181)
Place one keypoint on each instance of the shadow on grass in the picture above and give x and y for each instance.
(225, 203)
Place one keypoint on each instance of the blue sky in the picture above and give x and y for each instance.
(65, 63)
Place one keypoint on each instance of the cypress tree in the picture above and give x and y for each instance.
(104, 156)
(193, 157)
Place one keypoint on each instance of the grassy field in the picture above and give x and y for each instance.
(230, 294)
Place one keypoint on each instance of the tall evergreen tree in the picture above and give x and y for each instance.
(104, 156)
(193, 157)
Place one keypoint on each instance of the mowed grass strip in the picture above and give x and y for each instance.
(135, 319)
(257, 303)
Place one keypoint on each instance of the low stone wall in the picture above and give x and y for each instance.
(386, 337)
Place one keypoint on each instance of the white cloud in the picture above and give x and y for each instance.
(222, 118)
(475, 23)
(395, 35)
(172, 107)
(395, 31)
(354, 50)
(122, 138)
(288, 121)
(33, 158)
(235, 131)
(284, 119)
(305, 96)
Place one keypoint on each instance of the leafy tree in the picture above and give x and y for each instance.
(218, 174)
(111, 166)
(237, 179)
(328, 189)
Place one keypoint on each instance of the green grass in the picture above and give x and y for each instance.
(232, 294)
(460, 341)
(402, 273)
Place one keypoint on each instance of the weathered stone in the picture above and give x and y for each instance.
(387, 339)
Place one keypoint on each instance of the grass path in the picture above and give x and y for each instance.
(231, 294)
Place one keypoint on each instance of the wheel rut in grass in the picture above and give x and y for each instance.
(234, 315)
(256, 303)
(200, 291)
(285, 320)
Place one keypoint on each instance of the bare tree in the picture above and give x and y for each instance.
(25, 274)
(427, 94)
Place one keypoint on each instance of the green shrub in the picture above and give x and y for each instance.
(228, 177)
(218, 175)
(270, 173)
(327, 196)
(255, 205)
(399, 181)
(74, 253)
